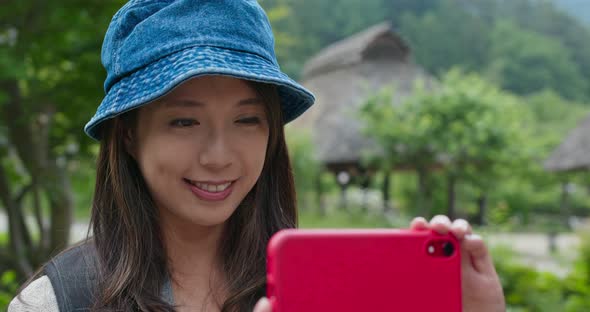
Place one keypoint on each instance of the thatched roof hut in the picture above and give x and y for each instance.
(574, 152)
(342, 76)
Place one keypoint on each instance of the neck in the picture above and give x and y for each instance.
(193, 258)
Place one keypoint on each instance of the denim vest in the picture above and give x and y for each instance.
(73, 277)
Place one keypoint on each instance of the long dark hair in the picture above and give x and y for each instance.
(131, 255)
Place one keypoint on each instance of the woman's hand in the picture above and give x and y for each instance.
(480, 284)
(481, 288)
(263, 305)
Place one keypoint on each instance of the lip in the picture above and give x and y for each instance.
(208, 196)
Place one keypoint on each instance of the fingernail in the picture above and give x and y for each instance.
(440, 219)
(462, 224)
(473, 237)
(262, 303)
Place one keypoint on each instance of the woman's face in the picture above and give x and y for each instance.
(201, 148)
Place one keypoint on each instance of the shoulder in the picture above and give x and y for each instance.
(67, 285)
(72, 274)
(38, 296)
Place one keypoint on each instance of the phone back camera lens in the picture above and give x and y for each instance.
(448, 249)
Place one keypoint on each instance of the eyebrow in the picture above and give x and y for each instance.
(251, 101)
(193, 103)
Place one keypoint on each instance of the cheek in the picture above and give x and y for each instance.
(255, 152)
(162, 160)
(251, 148)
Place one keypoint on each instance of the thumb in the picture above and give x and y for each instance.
(474, 250)
(263, 305)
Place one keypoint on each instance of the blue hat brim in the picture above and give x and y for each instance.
(162, 76)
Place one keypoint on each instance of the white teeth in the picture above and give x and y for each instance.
(212, 188)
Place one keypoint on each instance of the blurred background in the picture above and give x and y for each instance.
(477, 109)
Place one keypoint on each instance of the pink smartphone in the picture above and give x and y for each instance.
(363, 270)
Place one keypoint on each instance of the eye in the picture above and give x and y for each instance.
(183, 122)
(249, 121)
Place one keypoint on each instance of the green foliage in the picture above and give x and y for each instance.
(544, 18)
(525, 62)
(554, 118)
(577, 284)
(433, 45)
(50, 59)
(340, 219)
(83, 179)
(280, 13)
(531, 190)
(526, 45)
(493, 141)
(313, 25)
(50, 84)
(8, 287)
(497, 142)
(465, 124)
(526, 289)
(306, 169)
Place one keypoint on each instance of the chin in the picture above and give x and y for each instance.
(210, 218)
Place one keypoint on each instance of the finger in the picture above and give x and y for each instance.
(263, 305)
(419, 224)
(440, 224)
(460, 228)
(474, 247)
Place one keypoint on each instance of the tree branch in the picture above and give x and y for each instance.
(19, 131)
(24, 228)
(15, 226)
(21, 195)
(44, 239)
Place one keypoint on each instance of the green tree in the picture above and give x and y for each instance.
(306, 169)
(402, 134)
(466, 126)
(314, 25)
(394, 10)
(446, 36)
(552, 49)
(50, 83)
(280, 13)
(525, 62)
(544, 18)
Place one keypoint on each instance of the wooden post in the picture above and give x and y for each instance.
(451, 195)
(385, 192)
(482, 203)
(343, 179)
(365, 182)
(564, 203)
(423, 193)
(319, 195)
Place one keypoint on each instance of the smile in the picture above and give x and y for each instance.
(212, 188)
(210, 191)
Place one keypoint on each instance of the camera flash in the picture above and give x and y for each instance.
(430, 249)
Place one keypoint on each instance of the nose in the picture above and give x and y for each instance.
(216, 152)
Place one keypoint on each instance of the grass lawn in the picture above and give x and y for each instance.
(342, 219)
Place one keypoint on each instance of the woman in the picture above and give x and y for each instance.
(193, 175)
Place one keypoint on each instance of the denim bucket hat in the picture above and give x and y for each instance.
(151, 46)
